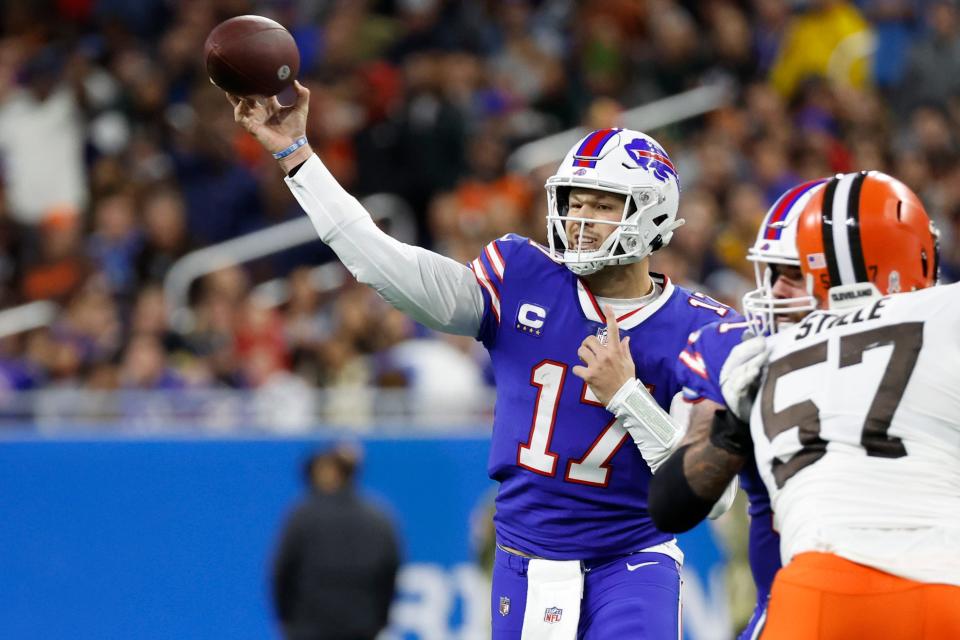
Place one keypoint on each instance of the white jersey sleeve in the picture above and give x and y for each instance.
(432, 289)
(857, 434)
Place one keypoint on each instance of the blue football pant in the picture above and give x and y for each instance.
(618, 603)
(755, 627)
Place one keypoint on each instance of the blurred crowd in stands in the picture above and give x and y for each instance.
(118, 157)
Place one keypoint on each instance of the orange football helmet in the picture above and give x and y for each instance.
(866, 227)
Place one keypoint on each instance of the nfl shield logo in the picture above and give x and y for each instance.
(552, 615)
(504, 605)
(602, 335)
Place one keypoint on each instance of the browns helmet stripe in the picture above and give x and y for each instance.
(826, 226)
(853, 229)
(841, 228)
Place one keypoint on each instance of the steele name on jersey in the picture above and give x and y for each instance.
(814, 324)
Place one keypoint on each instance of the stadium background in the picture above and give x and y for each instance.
(156, 402)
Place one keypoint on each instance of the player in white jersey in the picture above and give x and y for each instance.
(856, 425)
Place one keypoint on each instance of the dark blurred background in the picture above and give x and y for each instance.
(119, 158)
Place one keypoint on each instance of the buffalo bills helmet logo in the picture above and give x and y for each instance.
(650, 156)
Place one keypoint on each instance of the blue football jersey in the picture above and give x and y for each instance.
(699, 368)
(572, 483)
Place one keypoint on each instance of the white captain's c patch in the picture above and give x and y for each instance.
(531, 318)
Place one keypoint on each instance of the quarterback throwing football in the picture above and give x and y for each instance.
(583, 340)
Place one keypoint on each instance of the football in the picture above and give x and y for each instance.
(251, 56)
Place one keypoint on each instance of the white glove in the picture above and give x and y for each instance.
(741, 374)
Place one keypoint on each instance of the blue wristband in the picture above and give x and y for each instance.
(299, 142)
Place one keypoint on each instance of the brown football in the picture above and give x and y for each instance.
(251, 56)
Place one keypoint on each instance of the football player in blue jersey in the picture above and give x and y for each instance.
(583, 340)
(780, 298)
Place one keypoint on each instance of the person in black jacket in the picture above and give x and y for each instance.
(336, 565)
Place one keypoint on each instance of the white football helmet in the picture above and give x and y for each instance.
(776, 243)
(618, 161)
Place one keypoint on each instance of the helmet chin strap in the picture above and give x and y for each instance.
(584, 268)
(592, 266)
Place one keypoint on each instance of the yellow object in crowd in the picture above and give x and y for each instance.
(833, 40)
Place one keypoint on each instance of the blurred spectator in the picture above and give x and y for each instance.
(165, 234)
(431, 133)
(91, 325)
(58, 267)
(894, 22)
(11, 263)
(745, 208)
(259, 329)
(932, 72)
(42, 135)
(17, 374)
(212, 335)
(680, 56)
(731, 41)
(222, 198)
(770, 23)
(443, 376)
(772, 169)
(305, 325)
(144, 365)
(336, 565)
(825, 38)
(524, 65)
(149, 317)
(694, 247)
(115, 242)
(282, 401)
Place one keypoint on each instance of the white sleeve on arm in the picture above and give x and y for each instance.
(654, 432)
(432, 289)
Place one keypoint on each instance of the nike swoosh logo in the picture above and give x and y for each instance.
(634, 567)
